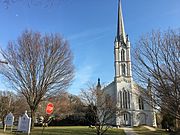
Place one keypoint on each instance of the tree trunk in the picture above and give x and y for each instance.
(32, 118)
(176, 124)
(3, 123)
(98, 131)
(176, 120)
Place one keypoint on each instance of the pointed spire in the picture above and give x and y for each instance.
(121, 36)
(98, 84)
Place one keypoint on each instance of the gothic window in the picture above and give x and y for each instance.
(128, 99)
(125, 117)
(124, 99)
(123, 67)
(141, 104)
(126, 103)
(108, 100)
(120, 99)
(122, 55)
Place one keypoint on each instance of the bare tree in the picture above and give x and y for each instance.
(20, 105)
(157, 57)
(38, 66)
(101, 108)
(7, 104)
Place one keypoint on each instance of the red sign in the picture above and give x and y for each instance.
(49, 108)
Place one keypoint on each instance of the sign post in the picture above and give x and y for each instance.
(9, 121)
(24, 123)
(49, 111)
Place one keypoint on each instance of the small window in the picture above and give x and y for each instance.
(123, 66)
(122, 55)
(125, 117)
(141, 104)
(120, 99)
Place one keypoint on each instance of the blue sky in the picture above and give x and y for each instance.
(90, 28)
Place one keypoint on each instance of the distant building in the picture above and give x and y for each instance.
(134, 110)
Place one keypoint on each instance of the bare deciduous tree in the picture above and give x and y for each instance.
(101, 108)
(7, 104)
(157, 57)
(38, 66)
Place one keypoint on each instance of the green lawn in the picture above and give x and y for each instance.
(83, 130)
(145, 131)
(69, 130)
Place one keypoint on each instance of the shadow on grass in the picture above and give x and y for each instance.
(74, 130)
(145, 131)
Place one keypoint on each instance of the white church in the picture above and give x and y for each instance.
(134, 110)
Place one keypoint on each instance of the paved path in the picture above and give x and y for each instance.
(150, 128)
(2, 134)
(129, 131)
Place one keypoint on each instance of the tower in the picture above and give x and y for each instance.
(124, 91)
(123, 77)
(122, 59)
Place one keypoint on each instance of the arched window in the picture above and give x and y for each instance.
(122, 55)
(123, 94)
(141, 103)
(124, 100)
(129, 100)
(123, 67)
(120, 99)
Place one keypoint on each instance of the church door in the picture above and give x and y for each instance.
(142, 119)
(127, 119)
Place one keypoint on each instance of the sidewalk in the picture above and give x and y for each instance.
(150, 128)
(128, 131)
(2, 134)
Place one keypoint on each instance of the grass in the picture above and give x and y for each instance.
(144, 131)
(68, 130)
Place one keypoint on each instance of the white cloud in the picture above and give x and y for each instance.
(84, 74)
(90, 35)
(82, 77)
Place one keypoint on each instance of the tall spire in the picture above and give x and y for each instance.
(121, 36)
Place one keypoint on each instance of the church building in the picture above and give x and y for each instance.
(134, 110)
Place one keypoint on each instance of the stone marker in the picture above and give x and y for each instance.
(9, 119)
(24, 123)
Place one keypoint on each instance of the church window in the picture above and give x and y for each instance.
(123, 66)
(124, 100)
(128, 99)
(125, 117)
(141, 104)
(122, 55)
(108, 100)
(120, 99)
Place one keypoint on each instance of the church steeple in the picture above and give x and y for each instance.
(121, 36)
(122, 57)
